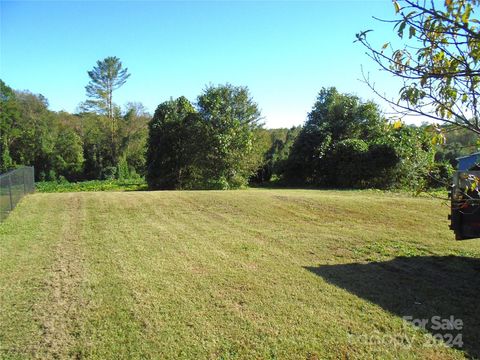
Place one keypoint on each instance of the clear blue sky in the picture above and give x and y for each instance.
(283, 51)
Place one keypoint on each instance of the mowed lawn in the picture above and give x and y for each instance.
(259, 274)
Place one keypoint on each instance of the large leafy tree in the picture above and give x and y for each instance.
(231, 116)
(67, 157)
(37, 128)
(176, 147)
(274, 146)
(133, 133)
(33, 135)
(347, 143)
(438, 63)
(215, 145)
(95, 132)
(334, 118)
(9, 119)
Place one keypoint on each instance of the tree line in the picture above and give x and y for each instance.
(68, 146)
(217, 142)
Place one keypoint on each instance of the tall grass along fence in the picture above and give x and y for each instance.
(14, 185)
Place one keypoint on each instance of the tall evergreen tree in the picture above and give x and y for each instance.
(106, 77)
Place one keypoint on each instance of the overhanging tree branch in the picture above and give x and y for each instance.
(439, 63)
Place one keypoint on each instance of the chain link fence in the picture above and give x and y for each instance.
(14, 185)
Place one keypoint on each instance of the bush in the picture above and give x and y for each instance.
(108, 173)
(440, 175)
(348, 163)
(92, 185)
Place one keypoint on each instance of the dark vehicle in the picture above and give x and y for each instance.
(465, 205)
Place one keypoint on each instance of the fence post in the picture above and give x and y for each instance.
(10, 191)
(24, 170)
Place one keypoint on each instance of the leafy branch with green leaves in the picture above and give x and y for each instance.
(438, 64)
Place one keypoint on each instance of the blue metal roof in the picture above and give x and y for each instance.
(469, 161)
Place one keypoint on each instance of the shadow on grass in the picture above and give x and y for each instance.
(420, 287)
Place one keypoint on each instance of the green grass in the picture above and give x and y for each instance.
(250, 274)
(92, 185)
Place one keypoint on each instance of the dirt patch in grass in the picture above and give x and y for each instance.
(59, 317)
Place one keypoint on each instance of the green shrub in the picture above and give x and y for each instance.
(93, 185)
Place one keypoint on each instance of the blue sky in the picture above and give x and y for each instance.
(285, 52)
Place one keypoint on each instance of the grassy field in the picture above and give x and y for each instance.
(271, 274)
